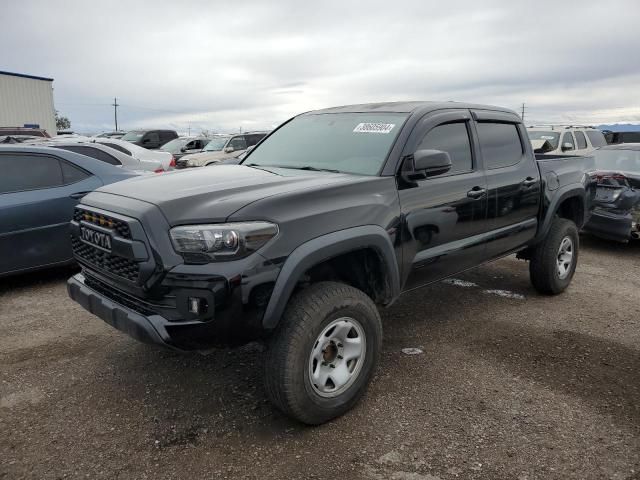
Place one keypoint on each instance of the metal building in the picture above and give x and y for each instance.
(27, 101)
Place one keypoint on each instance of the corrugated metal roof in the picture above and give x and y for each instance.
(24, 75)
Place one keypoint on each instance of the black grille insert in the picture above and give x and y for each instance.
(101, 260)
(117, 296)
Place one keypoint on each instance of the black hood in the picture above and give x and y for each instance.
(212, 194)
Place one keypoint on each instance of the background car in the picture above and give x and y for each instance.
(217, 151)
(621, 137)
(617, 205)
(39, 188)
(185, 145)
(565, 139)
(115, 135)
(110, 155)
(150, 139)
(166, 159)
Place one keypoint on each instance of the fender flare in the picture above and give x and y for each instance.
(324, 248)
(560, 196)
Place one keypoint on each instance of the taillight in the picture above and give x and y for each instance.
(172, 163)
(158, 170)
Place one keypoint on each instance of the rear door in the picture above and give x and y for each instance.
(444, 215)
(37, 197)
(513, 181)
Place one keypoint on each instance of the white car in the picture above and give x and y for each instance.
(165, 158)
(565, 139)
(108, 155)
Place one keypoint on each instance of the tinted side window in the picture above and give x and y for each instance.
(582, 142)
(93, 153)
(452, 138)
(568, 138)
(597, 138)
(255, 138)
(115, 146)
(71, 173)
(500, 144)
(28, 172)
(238, 143)
(153, 137)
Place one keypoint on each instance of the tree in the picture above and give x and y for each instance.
(62, 123)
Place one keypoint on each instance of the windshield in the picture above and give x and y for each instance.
(618, 160)
(174, 146)
(132, 136)
(552, 137)
(347, 142)
(216, 144)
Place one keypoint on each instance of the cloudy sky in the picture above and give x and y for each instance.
(223, 65)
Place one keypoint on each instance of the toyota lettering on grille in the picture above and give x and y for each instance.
(95, 238)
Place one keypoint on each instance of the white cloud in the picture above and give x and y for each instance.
(223, 65)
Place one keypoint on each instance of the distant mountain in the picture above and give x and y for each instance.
(620, 127)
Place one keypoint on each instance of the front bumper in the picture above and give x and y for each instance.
(232, 309)
(149, 329)
(610, 225)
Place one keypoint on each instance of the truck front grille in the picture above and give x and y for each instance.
(122, 267)
(118, 226)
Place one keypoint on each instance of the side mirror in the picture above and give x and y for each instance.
(567, 146)
(431, 162)
(228, 149)
(183, 149)
(146, 140)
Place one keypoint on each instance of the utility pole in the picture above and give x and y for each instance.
(522, 115)
(189, 134)
(115, 111)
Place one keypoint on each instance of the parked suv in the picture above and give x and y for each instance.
(150, 139)
(333, 216)
(221, 148)
(565, 140)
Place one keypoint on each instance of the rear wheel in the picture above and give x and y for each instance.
(321, 358)
(554, 260)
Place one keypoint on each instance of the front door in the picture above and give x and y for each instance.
(445, 215)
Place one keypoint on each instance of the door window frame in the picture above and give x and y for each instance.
(431, 120)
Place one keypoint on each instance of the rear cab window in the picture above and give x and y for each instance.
(580, 139)
(500, 144)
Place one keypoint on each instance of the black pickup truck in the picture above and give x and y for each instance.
(336, 213)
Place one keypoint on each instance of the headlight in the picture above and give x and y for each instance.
(214, 243)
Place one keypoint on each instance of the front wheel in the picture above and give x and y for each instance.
(554, 260)
(321, 358)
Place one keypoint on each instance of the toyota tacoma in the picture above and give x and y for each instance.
(336, 214)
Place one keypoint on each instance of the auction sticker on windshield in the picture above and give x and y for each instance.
(374, 127)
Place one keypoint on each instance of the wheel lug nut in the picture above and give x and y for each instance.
(340, 345)
(340, 357)
(332, 366)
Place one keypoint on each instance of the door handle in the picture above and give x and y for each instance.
(527, 182)
(476, 192)
(78, 195)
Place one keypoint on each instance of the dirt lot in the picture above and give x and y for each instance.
(510, 385)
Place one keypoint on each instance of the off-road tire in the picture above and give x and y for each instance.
(543, 268)
(286, 376)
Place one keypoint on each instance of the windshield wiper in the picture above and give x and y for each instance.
(305, 167)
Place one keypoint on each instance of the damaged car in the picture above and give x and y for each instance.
(617, 204)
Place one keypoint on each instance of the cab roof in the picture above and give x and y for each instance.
(408, 107)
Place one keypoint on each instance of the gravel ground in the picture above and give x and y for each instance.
(510, 384)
